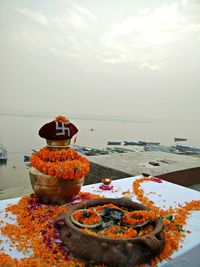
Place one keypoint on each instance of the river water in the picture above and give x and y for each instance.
(19, 135)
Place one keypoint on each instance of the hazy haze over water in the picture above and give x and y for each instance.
(19, 134)
(138, 59)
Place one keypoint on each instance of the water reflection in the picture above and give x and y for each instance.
(15, 172)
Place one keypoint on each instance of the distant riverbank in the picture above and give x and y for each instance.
(16, 180)
(19, 135)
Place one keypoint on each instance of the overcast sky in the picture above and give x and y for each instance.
(126, 58)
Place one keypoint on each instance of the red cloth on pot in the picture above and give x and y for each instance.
(58, 130)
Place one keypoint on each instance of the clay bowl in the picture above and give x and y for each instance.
(109, 251)
(54, 190)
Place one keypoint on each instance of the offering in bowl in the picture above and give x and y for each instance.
(106, 243)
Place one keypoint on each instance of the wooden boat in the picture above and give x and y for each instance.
(90, 151)
(179, 139)
(188, 149)
(3, 155)
(139, 143)
(113, 143)
(133, 143)
(144, 143)
(28, 155)
(167, 149)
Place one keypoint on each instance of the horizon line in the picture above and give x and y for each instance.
(93, 117)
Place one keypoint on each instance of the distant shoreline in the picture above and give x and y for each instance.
(97, 117)
(77, 117)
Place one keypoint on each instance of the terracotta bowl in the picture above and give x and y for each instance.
(109, 251)
(54, 190)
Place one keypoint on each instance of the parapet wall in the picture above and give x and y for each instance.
(185, 177)
(179, 169)
(97, 172)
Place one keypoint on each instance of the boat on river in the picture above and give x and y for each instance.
(113, 143)
(179, 139)
(188, 149)
(28, 155)
(167, 149)
(139, 143)
(132, 143)
(3, 155)
(144, 143)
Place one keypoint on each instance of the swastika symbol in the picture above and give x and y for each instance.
(62, 128)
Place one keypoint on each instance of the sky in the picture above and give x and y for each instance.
(121, 58)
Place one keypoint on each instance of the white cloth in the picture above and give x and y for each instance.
(164, 195)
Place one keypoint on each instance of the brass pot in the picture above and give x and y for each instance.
(54, 190)
(58, 143)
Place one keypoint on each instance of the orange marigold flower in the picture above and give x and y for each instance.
(137, 217)
(87, 216)
(61, 118)
(64, 163)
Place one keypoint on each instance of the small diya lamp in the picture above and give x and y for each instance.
(106, 181)
(106, 184)
(57, 171)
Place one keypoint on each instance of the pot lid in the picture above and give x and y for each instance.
(58, 129)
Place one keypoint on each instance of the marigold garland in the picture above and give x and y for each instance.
(88, 216)
(100, 208)
(118, 232)
(139, 216)
(64, 163)
(124, 228)
(61, 118)
(173, 230)
(34, 232)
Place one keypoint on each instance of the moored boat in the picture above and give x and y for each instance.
(3, 155)
(167, 149)
(179, 139)
(188, 149)
(139, 143)
(28, 155)
(113, 143)
(132, 143)
(144, 143)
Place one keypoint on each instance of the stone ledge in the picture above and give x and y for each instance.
(180, 169)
